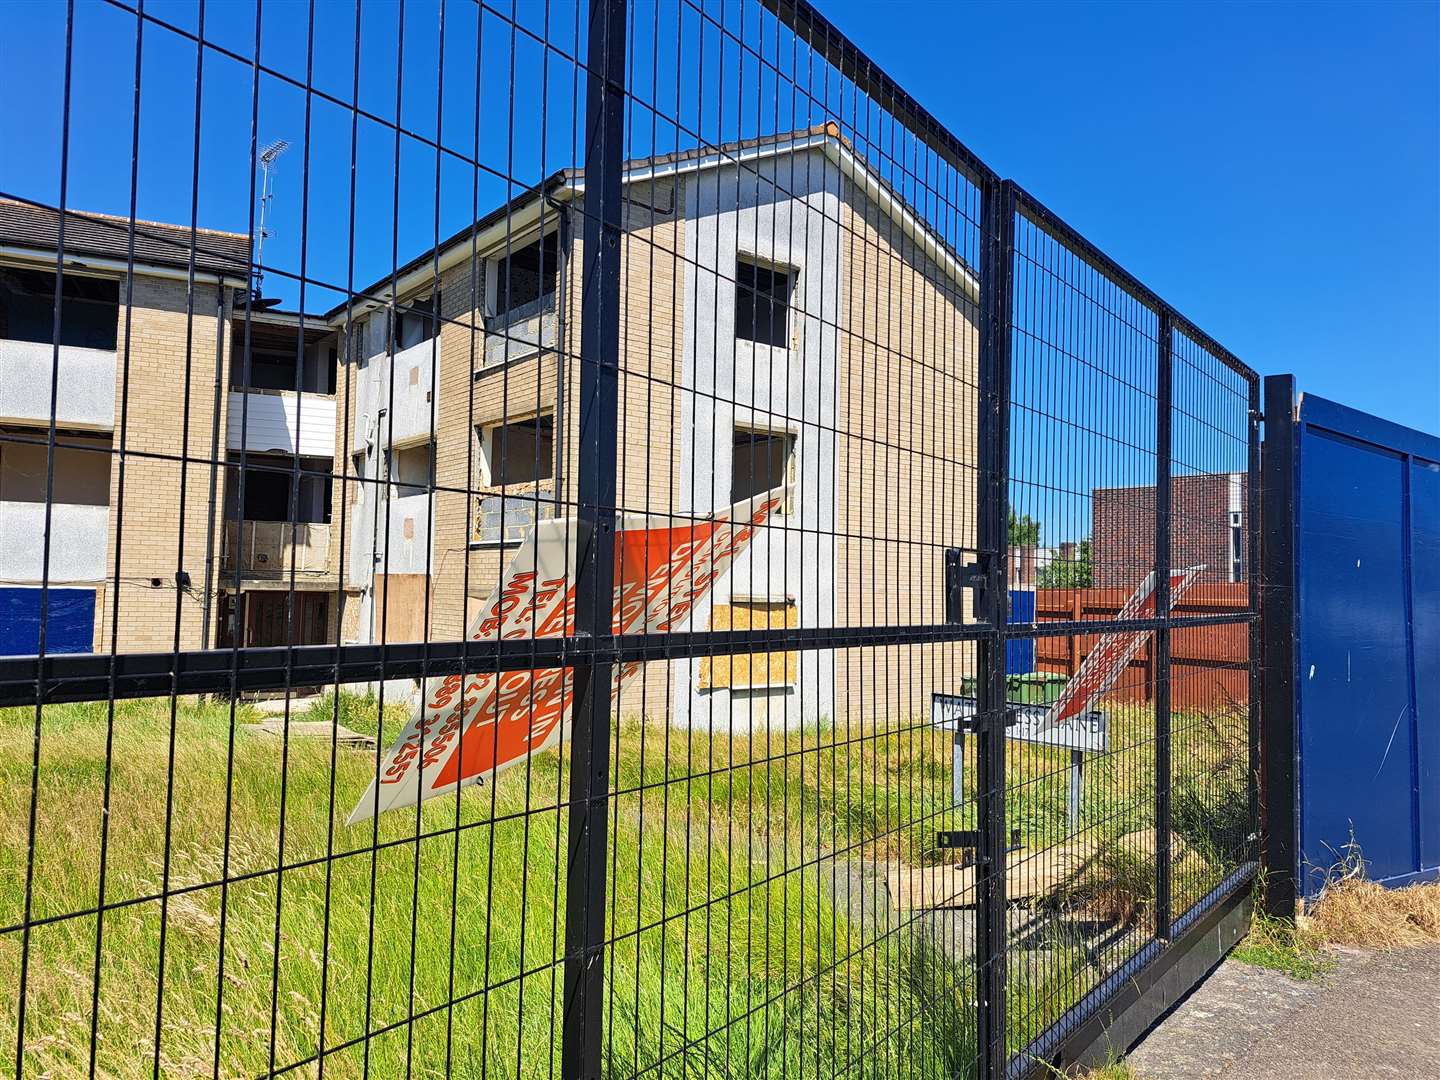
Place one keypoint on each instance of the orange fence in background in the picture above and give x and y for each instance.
(1208, 665)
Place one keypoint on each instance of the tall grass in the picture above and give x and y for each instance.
(440, 931)
(731, 957)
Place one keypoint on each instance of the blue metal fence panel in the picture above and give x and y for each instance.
(70, 620)
(1368, 610)
(1020, 651)
(1425, 571)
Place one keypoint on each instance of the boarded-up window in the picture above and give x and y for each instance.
(751, 670)
(525, 275)
(399, 607)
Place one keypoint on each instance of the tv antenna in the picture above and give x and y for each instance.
(267, 196)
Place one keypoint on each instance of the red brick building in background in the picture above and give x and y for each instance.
(1207, 527)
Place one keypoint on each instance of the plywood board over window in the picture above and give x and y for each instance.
(749, 671)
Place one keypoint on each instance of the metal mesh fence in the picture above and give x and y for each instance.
(587, 539)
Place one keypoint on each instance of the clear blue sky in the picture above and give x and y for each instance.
(1273, 170)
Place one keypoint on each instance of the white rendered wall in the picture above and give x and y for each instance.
(787, 215)
(395, 407)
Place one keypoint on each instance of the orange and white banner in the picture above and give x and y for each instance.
(466, 729)
(1113, 652)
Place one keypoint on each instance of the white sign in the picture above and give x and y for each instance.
(1084, 731)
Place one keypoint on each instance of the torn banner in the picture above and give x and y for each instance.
(1113, 652)
(468, 728)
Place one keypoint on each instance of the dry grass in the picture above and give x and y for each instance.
(1361, 913)
(1351, 911)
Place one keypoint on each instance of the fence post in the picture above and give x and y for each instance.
(997, 231)
(1277, 598)
(581, 1046)
(1160, 642)
(1255, 637)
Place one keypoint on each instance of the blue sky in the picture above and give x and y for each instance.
(1273, 170)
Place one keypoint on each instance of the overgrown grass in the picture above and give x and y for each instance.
(731, 957)
(1281, 946)
(1114, 1070)
(735, 953)
(1350, 911)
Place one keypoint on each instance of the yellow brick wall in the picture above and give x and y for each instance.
(471, 395)
(165, 409)
(908, 406)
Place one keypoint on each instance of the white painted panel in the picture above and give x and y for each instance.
(85, 395)
(399, 409)
(270, 422)
(409, 536)
(78, 537)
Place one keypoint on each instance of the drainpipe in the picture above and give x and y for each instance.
(560, 346)
(220, 323)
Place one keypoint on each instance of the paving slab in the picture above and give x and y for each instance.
(312, 729)
(1376, 1016)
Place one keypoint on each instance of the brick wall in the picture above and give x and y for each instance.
(906, 418)
(167, 402)
(1124, 524)
(908, 350)
(470, 394)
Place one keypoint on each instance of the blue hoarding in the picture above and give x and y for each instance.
(1368, 670)
(70, 620)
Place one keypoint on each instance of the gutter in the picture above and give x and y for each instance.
(567, 187)
(119, 267)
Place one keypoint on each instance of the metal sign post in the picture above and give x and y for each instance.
(1083, 733)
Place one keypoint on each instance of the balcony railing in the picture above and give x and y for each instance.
(269, 547)
(282, 421)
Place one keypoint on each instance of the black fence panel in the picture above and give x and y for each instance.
(590, 539)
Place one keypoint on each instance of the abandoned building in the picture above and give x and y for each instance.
(362, 474)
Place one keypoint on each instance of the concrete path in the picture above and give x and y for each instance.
(1377, 1015)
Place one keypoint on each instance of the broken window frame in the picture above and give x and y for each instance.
(753, 435)
(501, 304)
(756, 308)
(415, 321)
(99, 321)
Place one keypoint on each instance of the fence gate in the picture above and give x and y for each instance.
(639, 421)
